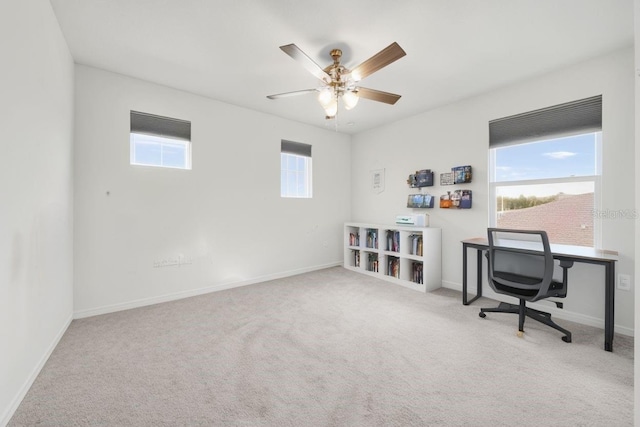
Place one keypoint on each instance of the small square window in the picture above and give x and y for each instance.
(160, 141)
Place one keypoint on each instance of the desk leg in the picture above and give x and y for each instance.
(609, 318)
(464, 275)
(479, 253)
(465, 297)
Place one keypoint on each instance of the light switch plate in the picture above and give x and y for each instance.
(624, 282)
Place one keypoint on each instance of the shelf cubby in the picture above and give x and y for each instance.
(372, 262)
(372, 236)
(354, 259)
(393, 266)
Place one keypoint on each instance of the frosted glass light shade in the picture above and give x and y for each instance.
(350, 99)
(331, 109)
(325, 96)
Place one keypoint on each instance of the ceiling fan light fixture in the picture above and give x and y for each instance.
(340, 82)
(329, 101)
(350, 99)
(325, 96)
(331, 109)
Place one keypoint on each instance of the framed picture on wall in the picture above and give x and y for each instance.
(377, 181)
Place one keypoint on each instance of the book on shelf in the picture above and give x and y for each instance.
(393, 267)
(416, 244)
(417, 276)
(354, 239)
(372, 238)
(372, 263)
(393, 241)
(356, 258)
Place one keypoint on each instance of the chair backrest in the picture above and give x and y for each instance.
(520, 263)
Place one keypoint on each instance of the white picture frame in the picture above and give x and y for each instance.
(377, 181)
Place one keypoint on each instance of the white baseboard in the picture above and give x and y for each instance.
(583, 319)
(194, 292)
(8, 413)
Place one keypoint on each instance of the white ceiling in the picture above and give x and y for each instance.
(229, 49)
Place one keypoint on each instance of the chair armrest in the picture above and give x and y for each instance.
(566, 264)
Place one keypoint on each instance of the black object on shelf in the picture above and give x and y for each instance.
(422, 178)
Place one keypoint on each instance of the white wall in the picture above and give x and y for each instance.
(36, 253)
(637, 181)
(457, 134)
(225, 216)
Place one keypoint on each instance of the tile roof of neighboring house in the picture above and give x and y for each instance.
(568, 220)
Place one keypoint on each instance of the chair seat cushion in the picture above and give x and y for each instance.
(525, 286)
(527, 281)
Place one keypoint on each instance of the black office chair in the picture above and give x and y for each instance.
(521, 265)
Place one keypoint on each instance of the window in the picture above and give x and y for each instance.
(160, 141)
(295, 170)
(545, 171)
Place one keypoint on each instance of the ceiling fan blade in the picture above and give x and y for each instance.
(294, 51)
(386, 56)
(287, 94)
(377, 95)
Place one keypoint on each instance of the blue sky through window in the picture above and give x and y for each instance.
(554, 158)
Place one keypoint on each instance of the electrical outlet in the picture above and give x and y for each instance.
(624, 282)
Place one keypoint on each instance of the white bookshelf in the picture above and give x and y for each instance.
(390, 252)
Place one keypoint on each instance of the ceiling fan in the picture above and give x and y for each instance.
(338, 82)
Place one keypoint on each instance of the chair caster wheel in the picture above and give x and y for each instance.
(566, 339)
(481, 314)
(520, 334)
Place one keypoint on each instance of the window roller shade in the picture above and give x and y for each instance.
(295, 148)
(167, 127)
(580, 116)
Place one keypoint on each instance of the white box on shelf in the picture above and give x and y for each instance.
(417, 220)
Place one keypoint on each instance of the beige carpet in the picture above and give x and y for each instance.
(328, 348)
